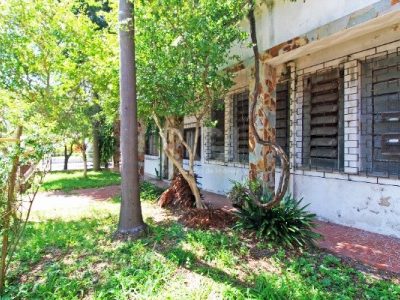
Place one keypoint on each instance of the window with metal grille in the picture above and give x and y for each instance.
(282, 117)
(323, 120)
(217, 135)
(189, 135)
(152, 144)
(241, 126)
(380, 115)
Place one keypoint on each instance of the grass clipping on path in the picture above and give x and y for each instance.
(74, 180)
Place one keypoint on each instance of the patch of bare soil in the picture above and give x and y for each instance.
(208, 219)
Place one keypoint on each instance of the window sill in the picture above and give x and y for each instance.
(361, 177)
(197, 163)
(227, 164)
(151, 157)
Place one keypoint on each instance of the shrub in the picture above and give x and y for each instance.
(149, 191)
(288, 224)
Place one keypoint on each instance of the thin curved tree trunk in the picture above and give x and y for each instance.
(284, 179)
(170, 153)
(67, 155)
(8, 212)
(96, 145)
(177, 150)
(84, 157)
(131, 220)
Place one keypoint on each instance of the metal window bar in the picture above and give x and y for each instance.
(282, 117)
(189, 134)
(217, 135)
(152, 144)
(241, 126)
(380, 115)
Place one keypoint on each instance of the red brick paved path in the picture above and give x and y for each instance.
(376, 250)
(372, 249)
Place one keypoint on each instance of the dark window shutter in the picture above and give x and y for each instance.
(152, 144)
(241, 126)
(323, 120)
(189, 135)
(282, 116)
(217, 141)
(380, 115)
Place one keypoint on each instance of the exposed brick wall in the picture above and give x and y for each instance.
(352, 97)
(229, 141)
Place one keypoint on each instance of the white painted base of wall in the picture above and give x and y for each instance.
(214, 177)
(360, 202)
(218, 178)
(151, 164)
(369, 206)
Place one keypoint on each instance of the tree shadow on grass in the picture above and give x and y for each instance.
(259, 286)
(89, 239)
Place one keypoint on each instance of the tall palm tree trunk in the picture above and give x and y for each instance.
(131, 220)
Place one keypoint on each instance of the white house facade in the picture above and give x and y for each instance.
(331, 71)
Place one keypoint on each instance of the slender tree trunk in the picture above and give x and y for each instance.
(67, 155)
(8, 212)
(192, 180)
(169, 151)
(131, 220)
(66, 158)
(176, 145)
(96, 145)
(84, 157)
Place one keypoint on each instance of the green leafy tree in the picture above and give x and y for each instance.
(44, 87)
(183, 48)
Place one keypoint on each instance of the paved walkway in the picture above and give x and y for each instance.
(375, 250)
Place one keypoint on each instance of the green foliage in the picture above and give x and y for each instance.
(73, 180)
(149, 191)
(57, 61)
(288, 224)
(182, 49)
(17, 191)
(75, 259)
(107, 142)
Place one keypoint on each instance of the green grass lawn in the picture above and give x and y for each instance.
(76, 258)
(72, 180)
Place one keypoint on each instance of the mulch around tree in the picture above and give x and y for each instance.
(208, 219)
(180, 199)
(178, 195)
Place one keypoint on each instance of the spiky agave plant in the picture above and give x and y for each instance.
(288, 224)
